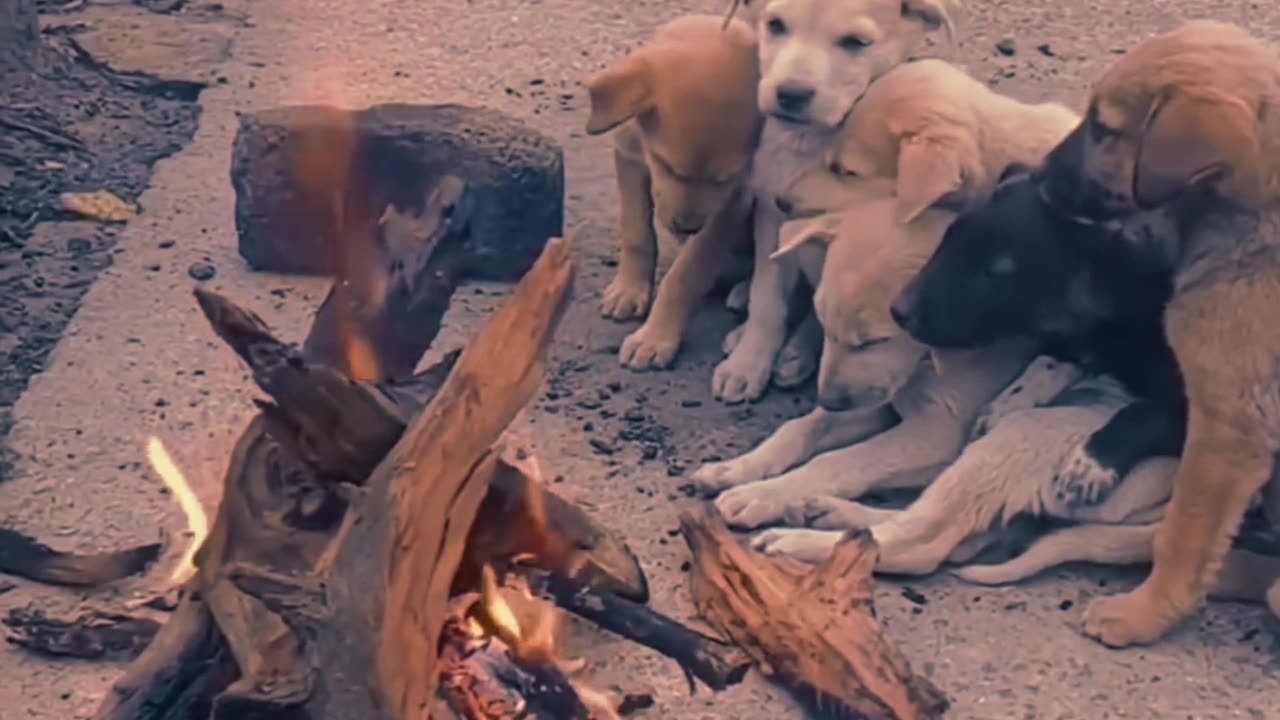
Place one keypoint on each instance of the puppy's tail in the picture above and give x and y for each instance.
(1096, 543)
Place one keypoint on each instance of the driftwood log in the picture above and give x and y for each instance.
(813, 630)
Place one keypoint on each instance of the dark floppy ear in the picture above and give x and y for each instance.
(1189, 141)
(928, 170)
(618, 94)
(933, 13)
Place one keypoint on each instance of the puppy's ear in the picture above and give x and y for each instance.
(796, 234)
(619, 94)
(928, 170)
(933, 13)
(1188, 141)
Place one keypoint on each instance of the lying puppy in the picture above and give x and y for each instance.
(934, 135)
(942, 135)
(1184, 121)
(1011, 268)
(685, 110)
(868, 363)
(817, 57)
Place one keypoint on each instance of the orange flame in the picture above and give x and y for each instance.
(180, 489)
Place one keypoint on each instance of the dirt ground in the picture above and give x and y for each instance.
(137, 361)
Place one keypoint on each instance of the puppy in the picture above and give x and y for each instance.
(687, 125)
(1011, 268)
(817, 57)
(1014, 267)
(1184, 122)
(945, 138)
(872, 376)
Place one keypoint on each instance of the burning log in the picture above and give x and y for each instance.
(815, 631)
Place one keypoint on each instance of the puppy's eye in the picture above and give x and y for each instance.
(840, 171)
(1002, 266)
(852, 43)
(776, 27)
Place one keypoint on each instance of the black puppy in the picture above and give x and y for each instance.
(1017, 267)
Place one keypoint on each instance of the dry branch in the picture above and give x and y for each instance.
(816, 632)
(26, 557)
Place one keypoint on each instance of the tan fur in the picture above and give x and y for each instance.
(939, 132)
(1196, 109)
(687, 126)
(832, 49)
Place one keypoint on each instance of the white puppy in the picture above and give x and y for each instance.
(817, 58)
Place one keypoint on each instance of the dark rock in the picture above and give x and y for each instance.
(1007, 46)
(202, 271)
(397, 152)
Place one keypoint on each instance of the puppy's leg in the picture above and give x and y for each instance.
(799, 356)
(793, 443)
(627, 297)
(1273, 599)
(810, 546)
(1249, 577)
(690, 278)
(906, 456)
(1104, 544)
(833, 513)
(1139, 430)
(1221, 469)
(1043, 379)
(745, 373)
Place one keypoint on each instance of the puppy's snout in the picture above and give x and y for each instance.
(794, 98)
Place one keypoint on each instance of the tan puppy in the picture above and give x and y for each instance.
(685, 110)
(1187, 121)
(943, 135)
(817, 58)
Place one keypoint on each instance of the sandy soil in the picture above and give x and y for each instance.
(137, 361)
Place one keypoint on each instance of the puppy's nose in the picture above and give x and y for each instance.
(784, 205)
(685, 227)
(794, 98)
(900, 314)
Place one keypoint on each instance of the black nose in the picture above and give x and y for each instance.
(794, 98)
(685, 227)
(900, 315)
(784, 205)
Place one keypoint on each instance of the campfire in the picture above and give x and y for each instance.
(386, 546)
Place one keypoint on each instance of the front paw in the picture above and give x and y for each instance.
(649, 348)
(809, 546)
(795, 364)
(827, 512)
(1132, 618)
(767, 502)
(1082, 479)
(714, 478)
(741, 377)
(625, 300)
(732, 338)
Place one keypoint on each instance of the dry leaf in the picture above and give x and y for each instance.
(98, 205)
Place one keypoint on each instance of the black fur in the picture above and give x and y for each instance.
(1015, 266)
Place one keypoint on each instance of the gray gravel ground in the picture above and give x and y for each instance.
(139, 361)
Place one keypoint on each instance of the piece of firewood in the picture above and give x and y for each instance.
(91, 635)
(712, 661)
(814, 632)
(26, 557)
(370, 614)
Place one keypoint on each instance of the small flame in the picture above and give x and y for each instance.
(197, 521)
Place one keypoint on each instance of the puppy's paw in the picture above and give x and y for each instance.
(796, 362)
(738, 297)
(760, 503)
(714, 478)
(809, 546)
(827, 512)
(649, 348)
(732, 338)
(1132, 618)
(741, 377)
(624, 300)
(1081, 479)
(998, 574)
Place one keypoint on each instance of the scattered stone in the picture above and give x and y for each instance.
(914, 596)
(397, 151)
(1007, 47)
(602, 447)
(1046, 49)
(202, 271)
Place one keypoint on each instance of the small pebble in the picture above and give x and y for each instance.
(1007, 46)
(202, 271)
